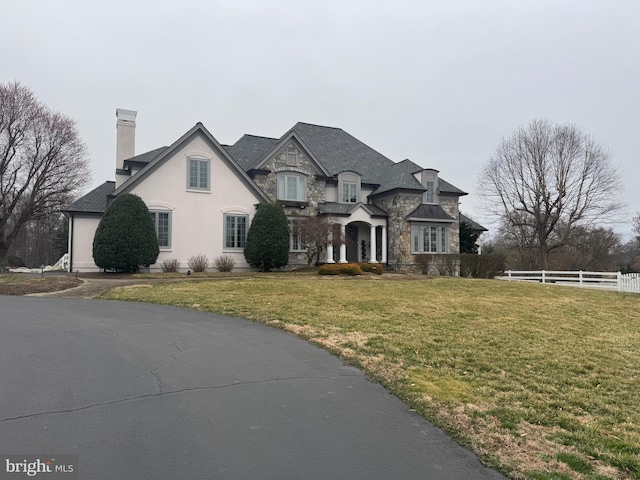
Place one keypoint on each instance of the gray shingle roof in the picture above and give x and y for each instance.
(446, 187)
(430, 212)
(400, 175)
(147, 157)
(250, 149)
(333, 208)
(93, 202)
(473, 224)
(338, 151)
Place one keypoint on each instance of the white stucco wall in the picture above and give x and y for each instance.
(83, 230)
(197, 217)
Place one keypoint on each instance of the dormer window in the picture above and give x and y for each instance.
(430, 183)
(292, 157)
(349, 192)
(430, 195)
(348, 187)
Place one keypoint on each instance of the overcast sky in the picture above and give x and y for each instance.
(438, 82)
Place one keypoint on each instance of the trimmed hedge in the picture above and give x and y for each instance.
(371, 267)
(340, 269)
(465, 265)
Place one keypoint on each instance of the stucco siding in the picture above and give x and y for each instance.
(84, 229)
(197, 217)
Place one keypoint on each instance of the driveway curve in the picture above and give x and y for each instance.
(143, 391)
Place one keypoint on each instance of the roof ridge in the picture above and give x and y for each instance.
(316, 125)
(258, 136)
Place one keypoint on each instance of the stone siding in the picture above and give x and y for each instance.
(451, 205)
(398, 228)
(315, 190)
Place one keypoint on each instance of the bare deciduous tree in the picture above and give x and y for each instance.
(313, 234)
(43, 162)
(636, 224)
(546, 176)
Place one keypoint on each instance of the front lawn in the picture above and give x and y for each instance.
(542, 381)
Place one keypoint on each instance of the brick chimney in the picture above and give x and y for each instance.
(125, 140)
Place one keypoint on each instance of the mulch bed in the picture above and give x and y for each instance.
(25, 286)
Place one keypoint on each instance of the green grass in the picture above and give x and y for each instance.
(542, 381)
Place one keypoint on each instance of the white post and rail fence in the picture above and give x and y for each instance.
(621, 282)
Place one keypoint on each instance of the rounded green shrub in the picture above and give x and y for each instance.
(126, 236)
(268, 238)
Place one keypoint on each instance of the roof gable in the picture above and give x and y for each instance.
(282, 143)
(346, 209)
(338, 151)
(168, 152)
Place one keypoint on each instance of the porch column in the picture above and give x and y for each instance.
(329, 258)
(343, 245)
(372, 234)
(384, 245)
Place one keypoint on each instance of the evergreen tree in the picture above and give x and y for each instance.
(468, 239)
(268, 238)
(126, 236)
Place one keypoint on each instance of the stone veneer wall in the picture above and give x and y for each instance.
(398, 228)
(450, 204)
(315, 190)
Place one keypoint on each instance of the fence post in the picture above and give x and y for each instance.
(509, 274)
(619, 278)
(543, 277)
(580, 278)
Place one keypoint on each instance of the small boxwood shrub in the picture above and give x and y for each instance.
(371, 267)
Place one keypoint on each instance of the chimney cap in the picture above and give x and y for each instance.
(126, 116)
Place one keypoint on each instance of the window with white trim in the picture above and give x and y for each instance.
(349, 192)
(198, 174)
(292, 157)
(235, 231)
(292, 187)
(429, 238)
(349, 184)
(430, 194)
(162, 223)
(295, 236)
(430, 183)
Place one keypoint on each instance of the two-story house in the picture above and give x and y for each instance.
(202, 196)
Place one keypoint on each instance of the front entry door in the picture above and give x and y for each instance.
(351, 233)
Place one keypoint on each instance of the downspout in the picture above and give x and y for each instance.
(70, 243)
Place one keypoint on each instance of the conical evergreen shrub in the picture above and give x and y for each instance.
(126, 236)
(268, 238)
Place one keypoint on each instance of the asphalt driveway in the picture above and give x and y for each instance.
(142, 391)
